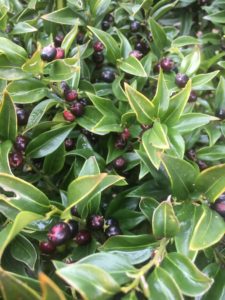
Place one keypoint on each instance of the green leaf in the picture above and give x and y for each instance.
(132, 65)
(164, 221)
(48, 142)
(211, 182)
(98, 7)
(141, 105)
(191, 62)
(213, 153)
(190, 280)
(161, 98)
(218, 17)
(147, 206)
(35, 64)
(23, 250)
(162, 286)
(54, 162)
(65, 16)
(12, 51)
(157, 136)
(24, 196)
(69, 39)
(49, 289)
(159, 35)
(176, 143)
(198, 81)
(90, 281)
(22, 28)
(5, 148)
(154, 154)
(220, 94)
(112, 48)
(208, 231)
(182, 176)
(27, 90)
(62, 69)
(182, 41)
(217, 291)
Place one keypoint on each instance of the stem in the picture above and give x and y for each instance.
(59, 4)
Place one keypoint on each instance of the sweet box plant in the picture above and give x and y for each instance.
(112, 154)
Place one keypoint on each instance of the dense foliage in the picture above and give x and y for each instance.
(112, 154)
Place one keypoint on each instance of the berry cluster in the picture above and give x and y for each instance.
(49, 53)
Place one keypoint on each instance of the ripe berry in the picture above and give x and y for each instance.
(70, 95)
(109, 18)
(22, 116)
(15, 159)
(105, 25)
(84, 101)
(193, 97)
(135, 26)
(74, 212)
(64, 86)
(167, 64)
(21, 143)
(47, 247)
(119, 163)
(120, 143)
(59, 233)
(58, 40)
(48, 53)
(220, 114)
(202, 165)
(181, 80)
(69, 144)
(219, 206)
(191, 154)
(60, 53)
(80, 38)
(156, 68)
(112, 231)
(77, 109)
(111, 222)
(136, 53)
(83, 237)
(108, 76)
(73, 225)
(95, 222)
(98, 46)
(98, 57)
(142, 46)
(68, 116)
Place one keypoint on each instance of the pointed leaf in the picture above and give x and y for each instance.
(191, 62)
(132, 65)
(161, 98)
(5, 148)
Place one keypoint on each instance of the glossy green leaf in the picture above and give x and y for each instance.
(164, 221)
(22, 28)
(64, 16)
(62, 69)
(191, 62)
(190, 280)
(54, 162)
(220, 94)
(157, 136)
(34, 65)
(217, 17)
(69, 39)
(5, 148)
(182, 41)
(217, 290)
(50, 290)
(132, 65)
(213, 153)
(12, 51)
(154, 154)
(201, 79)
(99, 7)
(159, 36)
(161, 98)
(147, 206)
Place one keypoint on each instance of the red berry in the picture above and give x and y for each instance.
(68, 116)
(136, 53)
(60, 53)
(125, 134)
(59, 233)
(95, 222)
(167, 64)
(70, 95)
(15, 159)
(83, 237)
(21, 143)
(47, 247)
(48, 53)
(77, 109)
(98, 46)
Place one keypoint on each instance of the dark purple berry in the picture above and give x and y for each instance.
(98, 57)
(68, 116)
(84, 101)
(22, 116)
(15, 159)
(191, 154)
(48, 53)
(137, 54)
(112, 231)
(70, 95)
(142, 46)
(220, 114)
(74, 212)
(80, 38)
(73, 225)
(98, 46)
(120, 143)
(108, 76)
(47, 247)
(109, 18)
(64, 86)
(83, 237)
(60, 53)
(125, 134)
(69, 144)
(167, 64)
(219, 206)
(111, 222)
(58, 40)
(156, 68)
(105, 25)
(135, 26)
(95, 222)
(193, 97)
(181, 80)
(59, 233)
(21, 143)
(202, 165)
(119, 163)
(77, 109)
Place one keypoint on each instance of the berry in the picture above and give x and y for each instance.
(95, 222)
(136, 53)
(142, 46)
(112, 231)
(98, 46)
(220, 114)
(48, 53)
(64, 86)
(80, 38)
(166, 64)
(70, 95)
(120, 143)
(84, 101)
(60, 53)
(68, 116)
(83, 237)
(21, 143)
(191, 154)
(47, 247)
(135, 26)
(74, 212)
(193, 97)
(109, 18)
(58, 40)
(119, 163)
(181, 80)
(125, 134)
(22, 116)
(105, 25)
(202, 165)
(111, 222)
(108, 76)
(69, 144)
(73, 225)
(98, 57)
(77, 109)
(15, 159)
(59, 233)
(219, 206)
(156, 68)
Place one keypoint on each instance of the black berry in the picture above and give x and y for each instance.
(69, 144)
(68, 116)
(109, 18)
(21, 143)
(70, 95)
(111, 222)
(22, 116)
(112, 231)
(48, 53)
(59, 233)
(119, 163)
(167, 64)
(108, 76)
(60, 53)
(77, 109)
(191, 154)
(135, 26)
(83, 237)
(136, 53)
(47, 247)
(58, 40)
(105, 25)
(193, 97)
(156, 68)
(98, 57)
(181, 80)
(15, 159)
(98, 46)
(80, 38)
(74, 212)
(73, 225)
(219, 206)
(95, 222)
(84, 101)
(142, 46)
(220, 114)
(120, 143)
